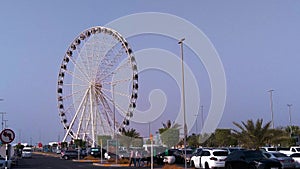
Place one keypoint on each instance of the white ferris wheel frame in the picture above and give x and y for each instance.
(95, 89)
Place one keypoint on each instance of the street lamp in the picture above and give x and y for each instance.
(271, 106)
(2, 122)
(114, 108)
(202, 123)
(183, 100)
(290, 115)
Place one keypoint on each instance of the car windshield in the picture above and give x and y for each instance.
(26, 150)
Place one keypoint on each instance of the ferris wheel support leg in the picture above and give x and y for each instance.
(76, 114)
(92, 119)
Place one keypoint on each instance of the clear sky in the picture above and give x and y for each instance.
(257, 43)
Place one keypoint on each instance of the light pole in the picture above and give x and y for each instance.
(5, 124)
(2, 123)
(202, 123)
(271, 106)
(290, 115)
(183, 100)
(114, 108)
(196, 123)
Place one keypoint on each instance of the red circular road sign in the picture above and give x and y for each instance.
(7, 136)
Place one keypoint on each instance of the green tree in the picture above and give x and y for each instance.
(169, 134)
(128, 136)
(253, 135)
(280, 137)
(193, 140)
(80, 143)
(223, 138)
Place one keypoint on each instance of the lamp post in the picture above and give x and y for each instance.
(290, 115)
(114, 108)
(202, 123)
(290, 118)
(271, 106)
(196, 123)
(2, 121)
(183, 100)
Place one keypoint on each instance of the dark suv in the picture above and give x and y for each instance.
(250, 159)
(70, 154)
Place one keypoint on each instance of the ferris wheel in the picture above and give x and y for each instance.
(97, 85)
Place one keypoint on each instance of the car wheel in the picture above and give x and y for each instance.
(66, 157)
(192, 164)
(228, 166)
(206, 166)
(252, 167)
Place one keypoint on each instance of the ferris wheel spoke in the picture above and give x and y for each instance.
(123, 66)
(103, 125)
(74, 93)
(81, 120)
(118, 93)
(74, 75)
(77, 111)
(114, 55)
(79, 68)
(118, 107)
(106, 109)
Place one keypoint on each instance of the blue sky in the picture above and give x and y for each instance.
(257, 42)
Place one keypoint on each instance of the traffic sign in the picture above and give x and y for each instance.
(7, 136)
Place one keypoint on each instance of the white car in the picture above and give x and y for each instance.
(169, 159)
(27, 152)
(209, 158)
(296, 157)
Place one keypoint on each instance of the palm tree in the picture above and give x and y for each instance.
(169, 134)
(253, 135)
(131, 133)
(128, 136)
(167, 126)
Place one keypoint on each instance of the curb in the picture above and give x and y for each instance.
(110, 165)
(86, 161)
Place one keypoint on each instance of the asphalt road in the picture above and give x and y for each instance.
(40, 161)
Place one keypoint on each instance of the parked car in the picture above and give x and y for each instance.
(96, 152)
(2, 163)
(168, 156)
(232, 149)
(189, 154)
(286, 161)
(252, 159)
(268, 149)
(71, 154)
(291, 150)
(296, 157)
(124, 154)
(209, 158)
(27, 152)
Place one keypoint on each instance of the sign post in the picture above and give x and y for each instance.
(151, 139)
(6, 137)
